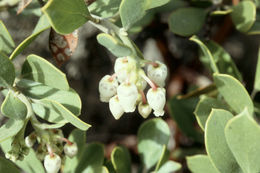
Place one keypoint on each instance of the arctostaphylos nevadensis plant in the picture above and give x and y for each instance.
(218, 123)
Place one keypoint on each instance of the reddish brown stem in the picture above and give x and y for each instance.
(50, 151)
(113, 76)
(67, 141)
(154, 64)
(143, 97)
(150, 82)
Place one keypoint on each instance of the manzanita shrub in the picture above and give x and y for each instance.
(39, 95)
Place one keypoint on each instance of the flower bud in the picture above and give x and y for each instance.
(157, 74)
(107, 88)
(141, 83)
(52, 164)
(115, 107)
(123, 67)
(20, 157)
(29, 141)
(41, 152)
(7, 155)
(12, 156)
(71, 150)
(127, 96)
(144, 110)
(156, 99)
(25, 150)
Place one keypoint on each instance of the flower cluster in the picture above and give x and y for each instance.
(124, 90)
(49, 149)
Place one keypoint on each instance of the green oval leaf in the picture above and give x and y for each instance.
(257, 74)
(121, 160)
(187, 21)
(163, 158)
(92, 159)
(55, 109)
(234, 93)
(215, 141)
(51, 126)
(243, 138)
(114, 45)
(13, 107)
(223, 60)
(6, 42)
(206, 53)
(169, 166)
(65, 15)
(156, 3)
(7, 71)
(104, 8)
(126, 9)
(181, 110)
(104, 169)
(132, 11)
(30, 163)
(109, 166)
(244, 15)
(201, 164)
(152, 136)
(41, 26)
(204, 107)
(47, 113)
(68, 98)
(8, 166)
(255, 29)
(10, 129)
(38, 69)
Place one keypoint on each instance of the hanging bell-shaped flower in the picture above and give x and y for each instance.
(52, 163)
(29, 141)
(115, 107)
(107, 88)
(127, 95)
(71, 150)
(156, 99)
(157, 73)
(123, 67)
(144, 109)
